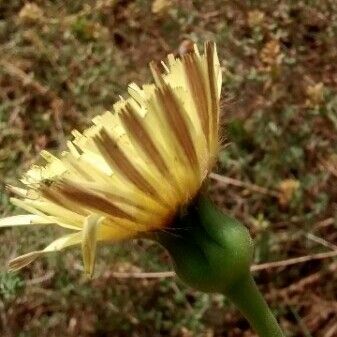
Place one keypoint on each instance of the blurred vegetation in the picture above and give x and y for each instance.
(63, 62)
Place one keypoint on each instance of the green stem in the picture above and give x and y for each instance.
(250, 302)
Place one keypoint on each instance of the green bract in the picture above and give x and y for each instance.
(213, 252)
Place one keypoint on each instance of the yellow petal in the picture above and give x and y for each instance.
(24, 220)
(57, 245)
(23, 260)
(25, 204)
(89, 242)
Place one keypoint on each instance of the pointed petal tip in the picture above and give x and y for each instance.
(89, 243)
(23, 261)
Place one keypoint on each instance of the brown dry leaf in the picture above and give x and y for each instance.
(315, 94)
(255, 18)
(330, 164)
(287, 188)
(30, 13)
(271, 53)
(184, 332)
(160, 6)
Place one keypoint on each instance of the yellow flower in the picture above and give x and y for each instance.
(135, 168)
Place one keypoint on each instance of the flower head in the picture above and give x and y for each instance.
(135, 167)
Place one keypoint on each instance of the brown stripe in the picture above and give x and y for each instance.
(52, 195)
(116, 158)
(196, 83)
(209, 50)
(141, 207)
(173, 115)
(158, 79)
(135, 127)
(91, 200)
(126, 201)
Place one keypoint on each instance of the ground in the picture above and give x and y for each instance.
(62, 62)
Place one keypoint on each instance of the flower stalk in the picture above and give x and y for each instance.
(252, 305)
(213, 252)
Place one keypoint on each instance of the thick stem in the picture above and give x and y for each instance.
(252, 305)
